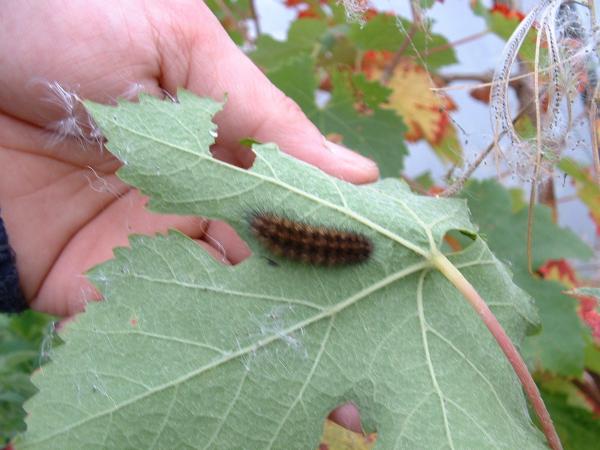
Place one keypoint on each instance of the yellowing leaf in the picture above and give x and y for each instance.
(424, 111)
(449, 148)
(336, 437)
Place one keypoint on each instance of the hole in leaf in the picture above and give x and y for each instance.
(347, 416)
(343, 429)
(457, 240)
(240, 155)
(224, 244)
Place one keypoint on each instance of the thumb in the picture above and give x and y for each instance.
(255, 108)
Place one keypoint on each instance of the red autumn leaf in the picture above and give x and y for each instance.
(507, 11)
(481, 94)
(588, 310)
(561, 271)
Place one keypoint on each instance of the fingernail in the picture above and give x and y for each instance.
(349, 157)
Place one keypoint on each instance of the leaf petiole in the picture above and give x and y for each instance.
(458, 280)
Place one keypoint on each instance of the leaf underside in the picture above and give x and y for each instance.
(186, 352)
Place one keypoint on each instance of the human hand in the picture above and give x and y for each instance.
(60, 223)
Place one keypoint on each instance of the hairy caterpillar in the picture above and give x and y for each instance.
(310, 244)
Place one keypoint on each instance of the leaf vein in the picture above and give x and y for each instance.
(306, 382)
(250, 348)
(434, 381)
(228, 410)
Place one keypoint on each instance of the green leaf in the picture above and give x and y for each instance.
(386, 32)
(303, 40)
(506, 231)
(592, 355)
(187, 352)
(21, 338)
(517, 199)
(426, 3)
(588, 190)
(223, 9)
(379, 135)
(234, 15)
(503, 26)
(578, 429)
(560, 346)
(337, 51)
(371, 92)
(425, 181)
(559, 385)
(449, 148)
(590, 317)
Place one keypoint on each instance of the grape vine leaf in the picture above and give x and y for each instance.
(379, 135)
(186, 352)
(427, 113)
(426, 3)
(589, 310)
(578, 428)
(592, 355)
(302, 40)
(372, 93)
(387, 32)
(21, 337)
(502, 20)
(588, 190)
(232, 13)
(559, 347)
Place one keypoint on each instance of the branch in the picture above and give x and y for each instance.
(254, 17)
(593, 120)
(485, 80)
(388, 71)
(417, 22)
(457, 186)
(531, 390)
(464, 40)
(588, 387)
(229, 14)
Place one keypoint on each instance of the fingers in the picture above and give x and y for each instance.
(255, 108)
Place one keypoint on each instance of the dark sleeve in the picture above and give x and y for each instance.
(11, 295)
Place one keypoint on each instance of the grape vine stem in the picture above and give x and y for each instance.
(533, 394)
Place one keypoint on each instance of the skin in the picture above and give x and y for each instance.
(63, 206)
